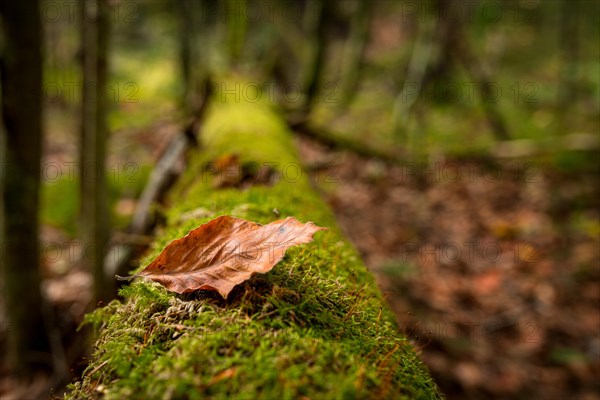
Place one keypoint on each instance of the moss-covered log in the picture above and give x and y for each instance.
(315, 326)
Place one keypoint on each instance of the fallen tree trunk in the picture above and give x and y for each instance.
(315, 326)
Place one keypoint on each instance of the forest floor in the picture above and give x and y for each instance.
(492, 268)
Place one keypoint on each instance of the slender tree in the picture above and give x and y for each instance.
(94, 133)
(237, 25)
(186, 21)
(433, 60)
(194, 33)
(424, 49)
(355, 49)
(21, 79)
(570, 53)
(317, 18)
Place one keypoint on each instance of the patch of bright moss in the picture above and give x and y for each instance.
(315, 326)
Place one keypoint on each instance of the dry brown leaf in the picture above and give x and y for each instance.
(225, 252)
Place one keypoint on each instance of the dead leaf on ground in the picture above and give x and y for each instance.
(225, 252)
(229, 171)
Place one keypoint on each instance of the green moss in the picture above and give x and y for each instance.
(314, 326)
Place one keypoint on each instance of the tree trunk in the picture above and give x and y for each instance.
(21, 77)
(424, 49)
(237, 22)
(570, 49)
(355, 49)
(186, 59)
(316, 326)
(314, 73)
(455, 49)
(194, 34)
(94, 203)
